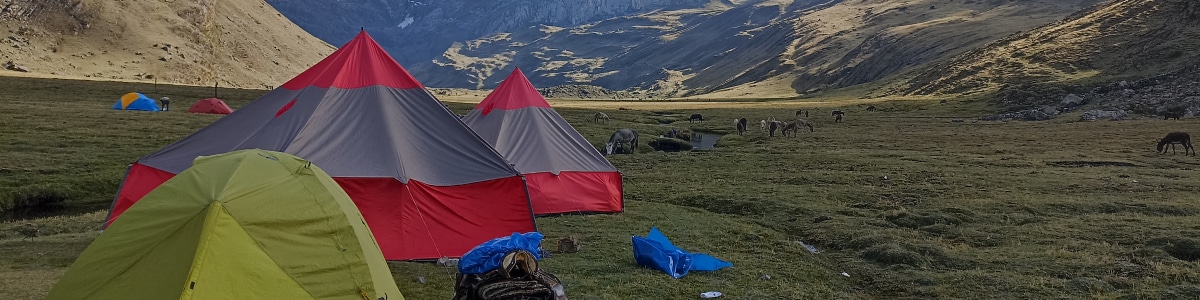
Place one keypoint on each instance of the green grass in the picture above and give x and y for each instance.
(970, 209)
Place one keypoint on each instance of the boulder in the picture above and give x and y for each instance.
(1071, 100)
(670, 145)
(1115, 115)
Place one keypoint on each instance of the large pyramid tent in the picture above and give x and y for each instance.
(250, 224)
(427, 185)
(564, 172)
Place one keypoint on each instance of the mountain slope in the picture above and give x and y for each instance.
(418, 31)
(237, 43)
(816, 44)
(1124, 39)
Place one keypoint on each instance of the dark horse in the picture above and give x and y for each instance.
(740, 125)
(620, 137)
(696, 118)
(1172, 115)
(1176, 138)
(838, 115)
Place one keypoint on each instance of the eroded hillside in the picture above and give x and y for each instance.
(814, 44)
(236, 43)
(1124, 39)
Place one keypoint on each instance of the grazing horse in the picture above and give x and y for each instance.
(696, 118)
(1176, 138)
(1172, 115)
(625, 136)
(801, 122)
(762, 124)
(600, 117)
(801, 112)
(838, 115)
(871, 108)
(740, 125)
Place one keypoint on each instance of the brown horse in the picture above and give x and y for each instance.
(740, 125)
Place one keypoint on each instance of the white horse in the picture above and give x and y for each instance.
(622, 137)
(600, 117)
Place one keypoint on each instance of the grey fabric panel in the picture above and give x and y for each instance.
(537, 139)
(408, 135)
(252, 126)
(373, 131)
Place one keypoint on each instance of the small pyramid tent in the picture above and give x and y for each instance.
(564, 172)
(135, 101)
(250, 224)
(428, 186)
(210, 106)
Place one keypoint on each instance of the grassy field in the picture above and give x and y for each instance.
(968, 209)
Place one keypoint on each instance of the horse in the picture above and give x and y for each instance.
(696, 118)
(801, 112)
(774, 125)
(837, 116)
(622, 137)
(1176, 138)
(762, 124)
(599, 116)
(871, 108)
(1172, 115)
(801, 122)
(788, 127)
(740, 125)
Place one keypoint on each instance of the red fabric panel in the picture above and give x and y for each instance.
(359, 63)
(141, 180)
(418, 221)
(285, 108)
(596, 192)
(515, 92)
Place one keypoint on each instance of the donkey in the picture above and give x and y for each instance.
(1176, 138)
(838, 115)
(600, 117)
(696, 118)
(740, 125)
(625, 136)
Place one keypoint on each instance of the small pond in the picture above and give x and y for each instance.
(704, 140)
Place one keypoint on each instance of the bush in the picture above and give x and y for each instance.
(38, 197)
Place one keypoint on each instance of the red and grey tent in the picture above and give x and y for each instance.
(564, 172)
(427, 186)
(210, 106)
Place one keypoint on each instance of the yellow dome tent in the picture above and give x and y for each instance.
(249, 224)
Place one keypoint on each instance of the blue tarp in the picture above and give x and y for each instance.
(487, 256)
(656, 251)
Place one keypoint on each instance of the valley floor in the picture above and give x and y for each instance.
(915, 200)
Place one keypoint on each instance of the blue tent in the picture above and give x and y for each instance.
(656, 251)
(136, 101)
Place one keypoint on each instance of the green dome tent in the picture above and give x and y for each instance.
(249, 224)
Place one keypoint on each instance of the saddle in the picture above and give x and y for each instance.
(517, 278)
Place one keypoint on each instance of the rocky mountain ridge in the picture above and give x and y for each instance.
(231, 43)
